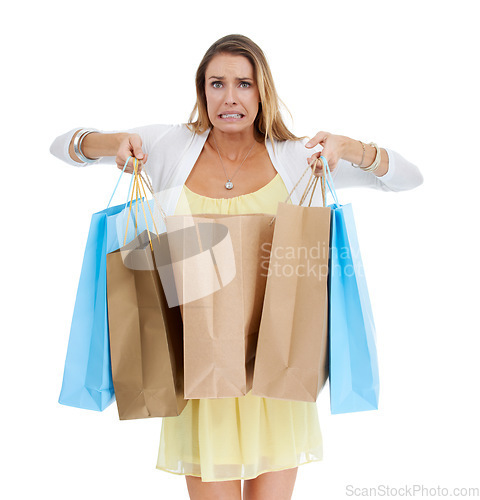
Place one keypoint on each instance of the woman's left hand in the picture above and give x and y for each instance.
(332, 150)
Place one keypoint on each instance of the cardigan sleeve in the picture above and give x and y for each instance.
(149, 134)
(402, 175)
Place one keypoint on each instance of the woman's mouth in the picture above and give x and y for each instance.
(231, 116)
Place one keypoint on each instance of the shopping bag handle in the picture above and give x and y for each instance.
(136, 180)
(312, 183)
(130, 186)
(145, 180)
(155, 201)
(140, 194)
(326, 175)
(325, 180)
(329, 179)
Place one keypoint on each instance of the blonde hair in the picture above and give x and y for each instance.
(268, 122)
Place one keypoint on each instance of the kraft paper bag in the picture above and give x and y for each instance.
(146, 336)
(292, 353)
(218, 263)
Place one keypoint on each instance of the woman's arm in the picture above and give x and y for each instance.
(352, 151)
(105, 144)
(102, 145)
(97, 144)
(394, 173)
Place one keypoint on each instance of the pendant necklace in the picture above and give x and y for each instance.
(229, 183)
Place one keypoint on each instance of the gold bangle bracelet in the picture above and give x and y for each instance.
(376, 161)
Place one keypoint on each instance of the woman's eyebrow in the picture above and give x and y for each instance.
(223, 78)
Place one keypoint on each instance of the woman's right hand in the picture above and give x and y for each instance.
(131, 145)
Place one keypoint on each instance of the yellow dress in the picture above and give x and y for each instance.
(239, 438)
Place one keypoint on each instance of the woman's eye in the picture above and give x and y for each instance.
(217, 85)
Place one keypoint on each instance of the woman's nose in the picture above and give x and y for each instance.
(230, 96)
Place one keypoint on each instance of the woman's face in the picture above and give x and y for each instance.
(230, 89)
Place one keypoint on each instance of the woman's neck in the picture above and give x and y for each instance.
(232, 146)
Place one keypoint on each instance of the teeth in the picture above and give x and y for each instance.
(231, 116)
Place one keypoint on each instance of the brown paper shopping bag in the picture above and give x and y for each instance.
(218, 262)
(146, 336)
(292, 352)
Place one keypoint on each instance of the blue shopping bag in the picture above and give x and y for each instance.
(87, 378)
(353, 371)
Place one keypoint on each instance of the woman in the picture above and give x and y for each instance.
(237, 156)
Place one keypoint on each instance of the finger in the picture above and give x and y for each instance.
(121, 163)
(138, 153)
(315, 165)
(314, 157)
(138, 164)
(129, 169)
(136, 143)
(141, 163)
(318, 138)
(332, 162)
(132, 171)
(319, 166)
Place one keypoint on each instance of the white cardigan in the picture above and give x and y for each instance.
(173, 150)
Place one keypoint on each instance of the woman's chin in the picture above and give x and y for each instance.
(232, 124)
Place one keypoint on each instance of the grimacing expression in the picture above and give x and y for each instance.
(231, 93)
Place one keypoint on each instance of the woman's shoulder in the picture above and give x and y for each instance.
(156, 131)
(293, 149)
(182, 133)
(160, 135)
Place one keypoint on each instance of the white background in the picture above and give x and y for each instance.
(401, 74)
